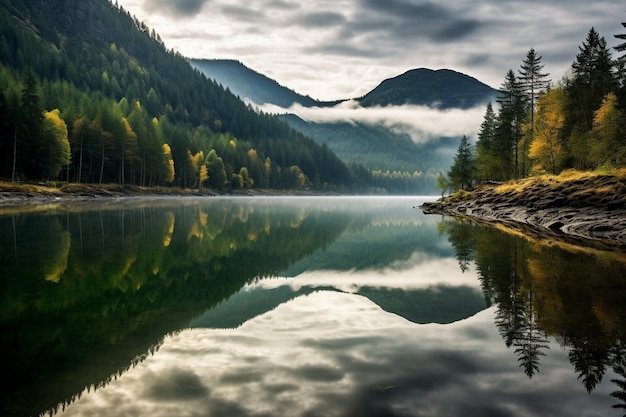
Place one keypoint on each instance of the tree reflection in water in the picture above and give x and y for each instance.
(87, 294)
(544, 288)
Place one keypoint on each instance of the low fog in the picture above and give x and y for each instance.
(423, 124)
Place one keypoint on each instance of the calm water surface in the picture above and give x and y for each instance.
(301, 307)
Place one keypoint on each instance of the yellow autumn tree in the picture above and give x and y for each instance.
(57, 143)
(202, 175)
(608, 144)
(168, 163)
(195, 163)
(546, 148)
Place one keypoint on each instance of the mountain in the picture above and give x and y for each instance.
(133, 111)
(376, 147)
(252, 86)
(442, 89)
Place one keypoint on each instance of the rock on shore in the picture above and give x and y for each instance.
(581, 207)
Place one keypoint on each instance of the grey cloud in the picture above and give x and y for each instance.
(319, 373)
(244, 375)
(242, 13)
(342, 49)
(456, 30)
(178, 385)
(321, 19)
(178, 8)
(423, 19)
(477, 59)
(283, 5)
(402, 8)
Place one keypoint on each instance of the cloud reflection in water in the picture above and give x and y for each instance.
(338, 354)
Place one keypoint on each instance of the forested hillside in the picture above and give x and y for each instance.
(89, 93)
(545, 127)
(392, 160)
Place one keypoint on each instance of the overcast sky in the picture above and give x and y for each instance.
(331, 49)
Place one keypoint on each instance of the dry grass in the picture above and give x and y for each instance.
(6, 186)
(519, 186)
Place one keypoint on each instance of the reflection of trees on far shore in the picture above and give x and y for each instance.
(541, 290)
(86, 294)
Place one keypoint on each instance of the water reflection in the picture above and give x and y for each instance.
(307, 306)
(546, 289)
(86, 293)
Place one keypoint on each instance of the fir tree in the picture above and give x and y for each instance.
(508, 131)
(532, 82)
(462, 173)
(486, 169)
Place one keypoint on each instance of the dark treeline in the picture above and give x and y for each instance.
(543, 128)
(88, 93)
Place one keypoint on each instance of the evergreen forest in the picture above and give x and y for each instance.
(88, 93)
(540, 127)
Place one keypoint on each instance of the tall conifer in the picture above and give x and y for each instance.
(533, 82)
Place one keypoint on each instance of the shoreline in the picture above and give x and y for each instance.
(16, 195)
(586, 209)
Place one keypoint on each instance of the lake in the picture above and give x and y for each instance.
(301, 306)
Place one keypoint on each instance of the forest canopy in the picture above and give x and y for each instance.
(88, 93)
(540, 127)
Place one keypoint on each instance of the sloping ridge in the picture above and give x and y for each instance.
(252, 86)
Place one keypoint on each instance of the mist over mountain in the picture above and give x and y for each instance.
(376, 146)
(441, 89)
(400, 125)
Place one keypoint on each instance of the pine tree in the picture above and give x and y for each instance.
(593, 78)
(607, 140)
(508, 131)
(462, 173)
(486, 169)
(29, 135)
(621, 61)
(532, 82)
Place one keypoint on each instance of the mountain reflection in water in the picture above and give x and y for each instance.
(301, 306)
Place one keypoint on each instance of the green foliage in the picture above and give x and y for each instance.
(608, 143)
(442, 184)
(58, 145)
(119, 93)
(485, 161)
(579, 124)
(462, 174)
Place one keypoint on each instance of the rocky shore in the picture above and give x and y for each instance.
(585, 208)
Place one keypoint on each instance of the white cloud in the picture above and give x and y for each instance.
(422, 123)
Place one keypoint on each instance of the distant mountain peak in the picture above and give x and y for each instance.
(442, 88)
